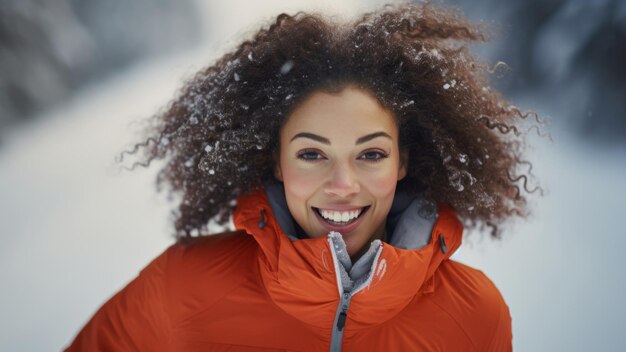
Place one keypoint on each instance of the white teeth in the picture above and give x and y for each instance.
(340, 216)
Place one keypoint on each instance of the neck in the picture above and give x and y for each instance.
(378, 235)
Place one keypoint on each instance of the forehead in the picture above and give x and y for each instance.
(351, 110)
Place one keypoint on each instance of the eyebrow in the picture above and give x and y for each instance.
(324, 140)
(371, 136)
(311, 136)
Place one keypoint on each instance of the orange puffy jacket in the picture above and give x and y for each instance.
(258, 290)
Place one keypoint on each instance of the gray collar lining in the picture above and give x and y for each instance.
(353, 275)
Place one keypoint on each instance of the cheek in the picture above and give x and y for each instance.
(383, 185)
(299, 183)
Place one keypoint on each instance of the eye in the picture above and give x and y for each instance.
(310, 155)
(373, 155)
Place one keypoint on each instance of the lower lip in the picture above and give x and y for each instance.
(339, 228)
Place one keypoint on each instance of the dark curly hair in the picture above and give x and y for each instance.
(220, 135)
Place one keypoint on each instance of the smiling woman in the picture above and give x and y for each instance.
(341, 178)
(348, 156)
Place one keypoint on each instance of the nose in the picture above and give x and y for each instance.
(343, 182)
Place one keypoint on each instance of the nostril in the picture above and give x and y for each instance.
(342, 189)
(343, 180)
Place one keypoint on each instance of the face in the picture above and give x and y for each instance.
(340, 163)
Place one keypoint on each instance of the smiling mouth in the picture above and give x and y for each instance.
(340, 218)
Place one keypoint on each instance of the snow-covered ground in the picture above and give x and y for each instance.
(561, 270)
(74, 231)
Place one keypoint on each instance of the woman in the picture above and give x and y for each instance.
(349, 156)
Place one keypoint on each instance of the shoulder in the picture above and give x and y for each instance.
(188, 277)
(200, 271)
(210, 255)
(473, 282)
(474, 301)
(210, 248)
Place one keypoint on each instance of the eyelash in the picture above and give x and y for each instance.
(306, 155)
(380, 155)
(302, 155)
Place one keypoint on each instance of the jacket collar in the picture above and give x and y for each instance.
(300, 276)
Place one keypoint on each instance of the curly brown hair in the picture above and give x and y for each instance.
(219, 137)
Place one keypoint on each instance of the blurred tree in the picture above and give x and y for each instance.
(566, 54)
(50, 48)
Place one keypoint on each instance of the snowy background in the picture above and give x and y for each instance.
(76, 81)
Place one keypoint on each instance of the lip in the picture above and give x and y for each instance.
(338, 228)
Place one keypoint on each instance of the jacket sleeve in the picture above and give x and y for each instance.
(502, 340)
(134, 319)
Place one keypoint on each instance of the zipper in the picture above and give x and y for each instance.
(345, 296)
(340, 322)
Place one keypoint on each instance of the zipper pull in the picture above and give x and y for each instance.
(341, 321)
(262, 222)
(442, 243)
